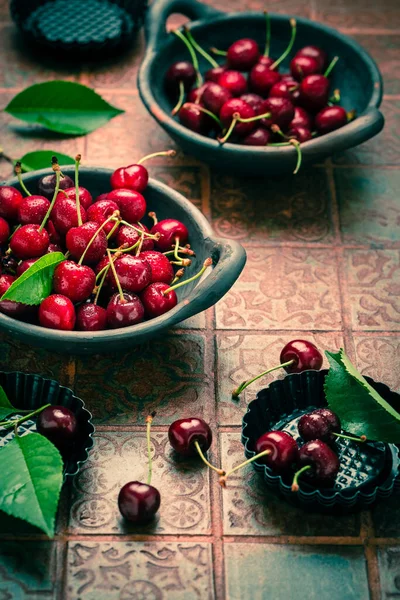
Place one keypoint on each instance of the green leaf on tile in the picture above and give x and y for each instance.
(41, 159)
(361, 409)
(35, 284)
(31, 470)
(62, 106)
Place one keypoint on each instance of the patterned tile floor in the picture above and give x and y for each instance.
(323, 263)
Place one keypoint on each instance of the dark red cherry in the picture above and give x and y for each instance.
(8, 307)
(9, 264)
(138, 502)
(54, 248)
(24, 265)
(195, 95)
(74, 281)
(161, 268)
(54, 235)
(57, 312)
(314, 426)
(214, 96)
(59, 425)
(32, 210)
(258, 137)
(301, 118)
(323, 461)
(130, 236)
(183, 434)
(316, 53)
(78, 238)
(4, 231)
(180, 71)
(123, 314)
(100, 211)
(154, 300)
(243, 54)
(47, 185)
(281, 109)
(301, 66)
(29, 242)
(299, 133)
(283, 450)
(91, 317)
(280, 90)
(304, 354)
(134, 177)
(331, 417)
(131, 204)
(214, 73)
(10, 199)
(330, 118)
(170, 230)
(254, 100)
(236, 105)
(314, 92)
(85, 197)
(233, 81)
(134, 273)
(267, 61)
(192, 117)
(261, 79)
(64, 214)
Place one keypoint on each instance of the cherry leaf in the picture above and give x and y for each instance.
(6, 408)
(41, 159)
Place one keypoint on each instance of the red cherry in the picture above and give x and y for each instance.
(64, 214)
(138, 502)
(10, 199)
(301, 66)
(47, 185)
(91, 317)
(59, 425)
(243, 54)
(323, 461)
(283, 450)
(299, 133)
(128, 235)
(254, 100)
(180, 71)
(54, 236)
(155, 302)
(134, 273)
(330, 118)
(214, 73)
(301, 118)
(233, 81)
(78, 238)
(29, 242)
(214, 96)
(123, 314)
(195, 95)
(192, 117)
(131, 204)
(258, 137)
(134, 177)
(57, 312)
(280, 90)
(8, 307)
(261, 79)
(161, 268)
(170, 230)
(32, 210)
(281, 109)
(314, 92)
(316, 53)
(4, 231)
(236, 105)
(85, 197)
(24, 265)
(183, 434)
(76, 282)
(54, 248)
(304, 354)
(100, 211)
(267, 61)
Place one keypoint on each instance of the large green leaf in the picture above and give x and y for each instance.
(31, 470)
(33, 286)
(62, 106)
(33, 161)
(361, 409)
(6, 408)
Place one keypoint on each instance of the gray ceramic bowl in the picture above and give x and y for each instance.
(228, 261)
(356, 75)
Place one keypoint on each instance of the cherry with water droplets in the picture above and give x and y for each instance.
(74, 281)
(131, 204)
(25, 265)
(47, 185)
(4, 231)
(314, 426)
(78, 238)
(123, 312)
(161, 268)
(91, 317)
(59, 425)
(32, 210)
(243, 54)
(301, 66)
(130, 236)
(133, 272)
(331, 417)
(29, 242)
(10, 199)
(234, 81)
(214, 96)
(155, 301)
(57, 312)
(170, 230)
(100, 211)
(318, 464)
(64, 214)
(330, 118)
(85, 197)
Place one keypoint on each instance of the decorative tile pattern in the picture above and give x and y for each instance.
(188, 181)
(291, 7)
(121, 457)
(27, 570)
(137, 570)
(288, 288)
(360, 14)
(379, 357)
(389, 562)
(385, 49)
(373, 279)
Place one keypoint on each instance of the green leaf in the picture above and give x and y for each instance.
(62, 106)
(361, 409)
(33, 161)
(31, 470)
(36, 283)
(6, 408)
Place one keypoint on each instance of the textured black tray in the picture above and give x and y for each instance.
(29, 392)
(368, 471)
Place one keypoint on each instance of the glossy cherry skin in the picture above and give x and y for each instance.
(214, 96)
(134, 177)
(124, 314)
(305, 354)
(301, 134)
(100, 211)
(54, 248)
(59, 425)
(243, 54)
(323, 460)
(10, 199)
(254, 100)
(4, 231)
(192, 117)
(233, 81)
(29, 242)
(32, 210)
(236, 105)
(330, 118)
(314, 426)
(8, 307)
(85, 197)
(9, 264)
(283, 448)
(301, 66)
(78, 238)
(331, 417)
(180, 71)
(281, 109)
(65, 215)
(74, 281)
(214, 73)
(47, 185)
(128, 235)
(24, 265)
(183, 434)
(155, 302)
(161, 268)
(316, 53)
(314, 92)
(195, 95)
(258, 137)
(267, 61)
(91, 317)
(131, 204)
(54, 235)
(261, 79)
(138, 502)
(57, 312)
(280, 90)
(170, 230)
(301, 118)
(133, 272)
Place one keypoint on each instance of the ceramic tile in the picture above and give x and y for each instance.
(359, 14)
(379, 357)
(385, 49)
(389, 563)
(386, 518)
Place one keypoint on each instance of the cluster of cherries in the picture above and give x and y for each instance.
(265, 107)
(116, 271)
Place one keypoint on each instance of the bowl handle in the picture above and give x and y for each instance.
(230, 257)
(160, 10)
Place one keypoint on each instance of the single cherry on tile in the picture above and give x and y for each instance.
(74, 281)
(59, 425)
(57, 312)
(91, 317)
(190, 437)
(330, 118)
(32, 210)
(135, 177)
(4, 231)
(318, 464)
(10, 199)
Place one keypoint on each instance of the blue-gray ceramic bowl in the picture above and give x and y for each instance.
(369, 472)
(356, 75)
(228, 261)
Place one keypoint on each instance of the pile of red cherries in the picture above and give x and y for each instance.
(116, 271)
(248, 101)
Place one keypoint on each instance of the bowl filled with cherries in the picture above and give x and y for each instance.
(94, 260)
(257, 93)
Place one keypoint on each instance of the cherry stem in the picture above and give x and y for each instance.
(229, 131)
(178, 275)
(17, 422)
(112, 231)
(153, 216)
(117, 255)
(121, 293)
(182, 262)
(155, 154)
(290, 45)
(245, 384)
(140, 244)
(78, 203)
(205, 461)
(149, 420)
(295, 485)
(207, 263)
(222, 481)
(18, 172)
(199, 49)
(182, 251)
(113, 216)
(335, 98)
(296, 144)
(351, 115)
(218, 52)
(276, 129)
(330, 67)
(176, 249)
(195, 62)
(181, 98)
(267, 33)
(210, 114)
(56, 168)
(361, 439)
(147, 235)
(251, 119)
(98, 290)
(14, 232)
